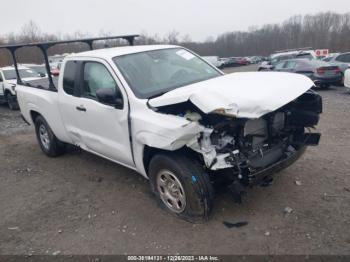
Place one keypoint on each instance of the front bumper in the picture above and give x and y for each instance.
(266, 174)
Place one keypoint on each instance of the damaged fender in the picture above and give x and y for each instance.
(171, 134)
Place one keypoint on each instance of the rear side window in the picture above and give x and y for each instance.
(69, 77)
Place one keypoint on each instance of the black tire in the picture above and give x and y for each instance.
(194, 180)
(12, 101)
(341, 82)
(54, 147)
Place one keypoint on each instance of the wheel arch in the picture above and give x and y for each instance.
(34, 114)
(149, 152)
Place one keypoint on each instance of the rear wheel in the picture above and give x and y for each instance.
(12, 101)
(48, 142)
(182, 186)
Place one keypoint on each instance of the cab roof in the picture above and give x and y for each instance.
(108, 53)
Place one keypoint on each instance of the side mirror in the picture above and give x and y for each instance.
(42, 75)
(109, 96)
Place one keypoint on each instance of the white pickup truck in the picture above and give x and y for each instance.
(176, 119)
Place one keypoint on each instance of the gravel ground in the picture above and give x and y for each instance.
(82, 204)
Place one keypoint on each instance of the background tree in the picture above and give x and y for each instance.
(323, 30)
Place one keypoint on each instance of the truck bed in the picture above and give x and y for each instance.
(43, 102)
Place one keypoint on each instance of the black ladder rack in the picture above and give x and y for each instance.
(44, 46)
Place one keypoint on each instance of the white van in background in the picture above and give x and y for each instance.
(347, 79)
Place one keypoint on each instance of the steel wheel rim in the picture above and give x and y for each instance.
(44, 137)
(171, 191)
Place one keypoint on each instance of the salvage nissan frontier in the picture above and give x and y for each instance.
(166, 113)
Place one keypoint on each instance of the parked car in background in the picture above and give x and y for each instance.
(285, 55)
(342, 60)
(8, 79)
(321, 73)
(56, 62)
(214, 60)
(347, 79)
(55, 68)
(248, 59)
(232, 61)
(54, 59)
(255, 59)
(224, 61)
(242, 61)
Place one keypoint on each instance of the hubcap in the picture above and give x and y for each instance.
(44, 137)
(171, 191)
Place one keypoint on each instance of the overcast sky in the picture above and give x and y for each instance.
(198, 18)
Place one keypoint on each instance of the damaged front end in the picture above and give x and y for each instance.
(250, 150)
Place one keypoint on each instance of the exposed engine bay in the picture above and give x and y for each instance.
(245, 147)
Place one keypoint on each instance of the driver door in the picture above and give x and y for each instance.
(103, 128)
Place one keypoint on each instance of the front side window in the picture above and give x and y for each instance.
(97, 76)
(156, 72)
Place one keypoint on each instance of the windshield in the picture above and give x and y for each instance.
(24, 73)
(152, 73)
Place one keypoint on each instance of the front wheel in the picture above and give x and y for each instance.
(48, 142)
(182, 186)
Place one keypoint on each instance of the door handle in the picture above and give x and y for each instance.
(81, 108)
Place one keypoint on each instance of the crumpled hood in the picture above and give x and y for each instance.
(244, 95)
